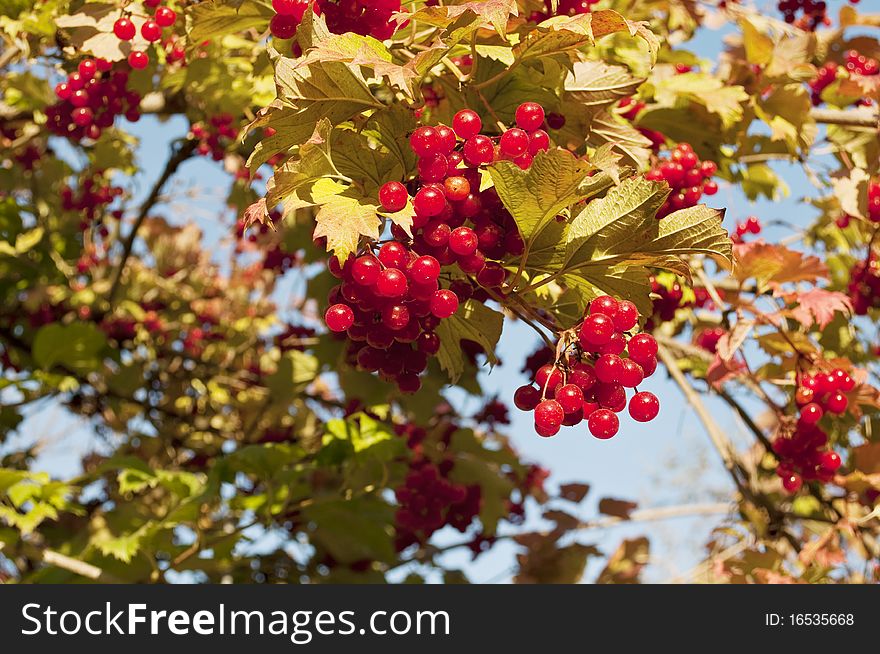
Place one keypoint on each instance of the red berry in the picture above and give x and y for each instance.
(467, 124)
(124, 29)
(608, 368)
(539, 141)
(283, 26)
(424, 270)
(82, 116)
(837, 403)
(830, 461)
(642, 347)
(457, 188)
(429, 202)
(444, 303)
(428, 342)
(424, 141)
(548, 417)
(479, 150)
(583, 377)
(365, 270)
(611, 396)
(87, 68)
(446, 139)
(570, 397)
(526, 398)
(151, 31)
(514, 142)
(631, 374)
(395, 316)
(393, 255)
(626, 317)
(138, 60)
(604, 304)
(644, 407)
(295, 8)
(463, 241)
(811, 413)
(391, 283)
(393, 196)
(548, 377)
(339, 317)
(792, 482)
(529, 116)
(603, 423)
(596, 331)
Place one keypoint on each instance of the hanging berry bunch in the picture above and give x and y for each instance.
(589, 379)
(365, 17)
(215, 136)
(804, 454)
(689, 178)
(151, 30)
(864, 285)
(751, 225)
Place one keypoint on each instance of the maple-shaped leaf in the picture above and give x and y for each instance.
(817, 306)
(492, 12)
(727, 101)
(214, 19)
(566, 34)
(473, 321)
(343, 220)
(773, 265)
(257, 214)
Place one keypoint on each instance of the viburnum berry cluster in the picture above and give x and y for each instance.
(365, 17)
(589, 380)
(803, 453)
(215, 136)
(864, 285)
(90, 198)
(814, 13)
(151, 30)
(708, 338)
(390, 300)
(854, 64)
(751, 225)
(90, 99)
(689, 178)
(669, 299)
(631, 109)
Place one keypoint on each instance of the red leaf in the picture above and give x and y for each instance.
(818, 305)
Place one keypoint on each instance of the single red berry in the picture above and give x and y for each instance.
(631, 374)
(526, 398)
(548, 417)
(548, 377)
(830, 461)
(428, 342)
(124, 29)
(151, 31)
(467, 124)
(479, 150)
(87, 68)
(391, 283)
(365, 270)
(444, 303)
(429, 201)
(626, 317)
(395, 316)
(642, 347)
(446, 139)
(295, 8)
(82, 116)
(138, 60)
(539, 141)
(583, 377)
(603, 423)
(837, 403)
(457, 188)
(792, 482)
(811, 414)
(609, 368)
(644, 407)
(425, 141)
(514, 142)
(570, 397)
(604, 304)
(393, 196)
(529, 116)
(424, 270)
(283, 26)
(611, 396)
(339, 317)
(463, 241)
(393, 255)
(596, 331)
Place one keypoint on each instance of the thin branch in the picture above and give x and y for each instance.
(862, 117)
(51, 557)
(183, 151)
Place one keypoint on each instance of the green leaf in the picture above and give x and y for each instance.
(353, 530)
(473, 321)
(212, 19)
(75, 346)
(724, 100)
(343, 221)
(492, 12)
(295, 371)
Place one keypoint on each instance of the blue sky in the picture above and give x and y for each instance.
(668, 461)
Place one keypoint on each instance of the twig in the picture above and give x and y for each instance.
(181, 153)
(862, 117)
(51, 557)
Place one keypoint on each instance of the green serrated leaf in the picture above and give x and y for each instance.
(473, 321)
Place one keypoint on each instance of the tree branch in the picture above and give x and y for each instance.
(862, 117)
(183, 151)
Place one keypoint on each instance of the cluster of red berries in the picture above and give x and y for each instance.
(669, 299)
(689, 178)
(592, 384)
(861, 64)
(365, 17)
(708, 338)
(825, 76)
(804, 454)
(631, 109)
(90, 99)
(91, 198)
(751, 225)
(215, 136)
(151, 31)
(388, 305)
(864, 285)
(854, 63)
(429, 501)
(814, 13)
